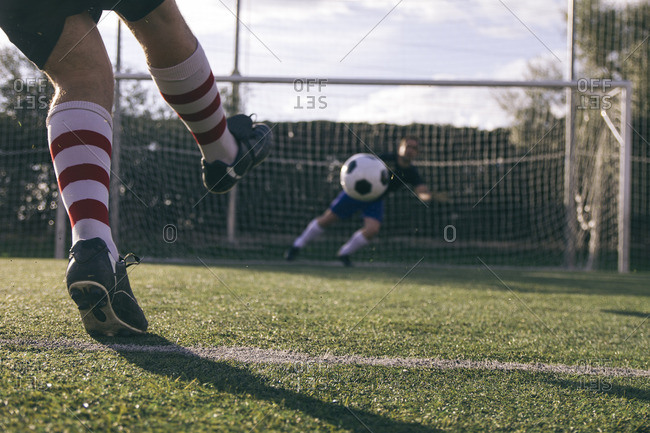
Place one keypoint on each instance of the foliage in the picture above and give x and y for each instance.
(25, 92)
(534, 109)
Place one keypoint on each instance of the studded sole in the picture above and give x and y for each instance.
(96, 311)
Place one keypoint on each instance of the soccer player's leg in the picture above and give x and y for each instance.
(342, 207)
(314, 229)
(372, 219)
(229, 147)
(80, 136)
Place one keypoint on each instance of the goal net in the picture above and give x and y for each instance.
(504, 197)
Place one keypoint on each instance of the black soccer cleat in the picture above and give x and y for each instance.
(291, 253)
(345, 259)
(254, 142)
(100, 288)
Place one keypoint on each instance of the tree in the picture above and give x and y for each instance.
(25, 92)
(612, 44)
(534, 110)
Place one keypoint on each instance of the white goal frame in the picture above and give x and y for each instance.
(624, 138)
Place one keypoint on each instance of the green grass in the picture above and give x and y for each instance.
(593, 319)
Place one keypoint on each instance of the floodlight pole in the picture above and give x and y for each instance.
(570, 223)
(231, 219)
(235, 71)
(114, 191)
(60, 230)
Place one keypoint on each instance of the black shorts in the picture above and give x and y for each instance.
(35, 26)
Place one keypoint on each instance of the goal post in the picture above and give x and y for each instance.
(589, 90)
(625, 180)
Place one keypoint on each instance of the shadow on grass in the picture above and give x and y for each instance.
(628, 313)
(603, 386)
(479, 277)
(240, 381)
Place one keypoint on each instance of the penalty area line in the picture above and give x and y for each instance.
(252, 355)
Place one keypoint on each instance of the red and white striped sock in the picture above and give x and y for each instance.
(80, 136)
(189, 88)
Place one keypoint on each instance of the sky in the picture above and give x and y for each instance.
(396, 39)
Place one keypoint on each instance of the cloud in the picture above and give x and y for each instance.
(430, 105)
(518, 69)
(210, 17)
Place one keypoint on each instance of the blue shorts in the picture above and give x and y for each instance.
(345, 206)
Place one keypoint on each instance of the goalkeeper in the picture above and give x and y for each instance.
(403, 173)
(61, 38)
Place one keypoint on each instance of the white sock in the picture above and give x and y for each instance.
(356, 242)
(189, 88)
(80, 135)
(312, 231)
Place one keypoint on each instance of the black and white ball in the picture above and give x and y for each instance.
(364, 177)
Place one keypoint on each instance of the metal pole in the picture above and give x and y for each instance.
(625, 183)
(60, 228)
(236, 68)
(231, 221)
(570, 226)
(543, 84)
(114, 195)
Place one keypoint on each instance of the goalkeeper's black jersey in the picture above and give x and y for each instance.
(400, 176)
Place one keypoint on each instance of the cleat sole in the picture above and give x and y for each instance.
(96, 311)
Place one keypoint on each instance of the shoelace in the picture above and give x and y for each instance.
(136, 260)
(129, 260)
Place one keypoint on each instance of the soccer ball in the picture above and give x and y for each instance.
(364, 177)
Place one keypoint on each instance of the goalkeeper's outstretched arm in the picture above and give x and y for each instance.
(424, 194)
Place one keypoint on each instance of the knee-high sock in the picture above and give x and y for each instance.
(80, 136)
(310, 233)
(190, 90)
(356, 242)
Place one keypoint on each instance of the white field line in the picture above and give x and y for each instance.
(251, 355)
